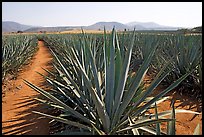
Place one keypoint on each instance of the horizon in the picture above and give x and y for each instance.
(98, 22)
(174, 14)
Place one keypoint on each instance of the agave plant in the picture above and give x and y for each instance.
(16, 51)
(186, 53)
(95, 91)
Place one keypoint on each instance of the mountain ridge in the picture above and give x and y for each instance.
(10, 26)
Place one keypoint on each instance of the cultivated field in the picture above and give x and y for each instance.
(98, 82)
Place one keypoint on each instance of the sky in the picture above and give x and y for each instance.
(50, 14)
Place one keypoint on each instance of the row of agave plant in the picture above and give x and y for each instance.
(185, 53)
(95, 92)
(16, 51)
(188, 51)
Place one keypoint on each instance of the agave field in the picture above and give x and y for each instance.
(17, 50)
(97, 85)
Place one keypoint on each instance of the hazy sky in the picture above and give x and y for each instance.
(178, 14)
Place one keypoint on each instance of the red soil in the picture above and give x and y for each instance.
(18, 103)
(185, 122)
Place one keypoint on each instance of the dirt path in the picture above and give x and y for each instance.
(17, 105)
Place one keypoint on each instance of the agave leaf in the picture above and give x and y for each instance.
(141, 109)
(49, 103)
(135, 84)
(99, 104)
(75, 89)
(91, 58)
(171, 124)
(95, 72)
(122, 82)
(111, 74)
(107, 50)
(68, 76)
(69, 132)
(151, 106)
(57, 101)
(66, 114)
(48, 71)
(172, 86)
(200, 71)
(67, 94)
(159, 77)
(137, 80)
(76, 124)
(118, 64)
(158, 101)
(100, 132)
(149, 130)
(146, 123)
(80, 100)
(158, 127)
(168, 112)
(83, 65)
(197, 130)
(135, 130)
(50, 81)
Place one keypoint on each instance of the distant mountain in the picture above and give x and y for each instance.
(151, 26)
(10, 26)
(130, 26)
(145, 24)
(51, 29)
(108, 26)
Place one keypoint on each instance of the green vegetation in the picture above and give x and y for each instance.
(16, 51)
(183, 51)
(193, 30)
(97, 85)
(94, 90)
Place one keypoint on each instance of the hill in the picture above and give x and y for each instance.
(151, 26)
(10, 26)
(13, 27)
(108, 26)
